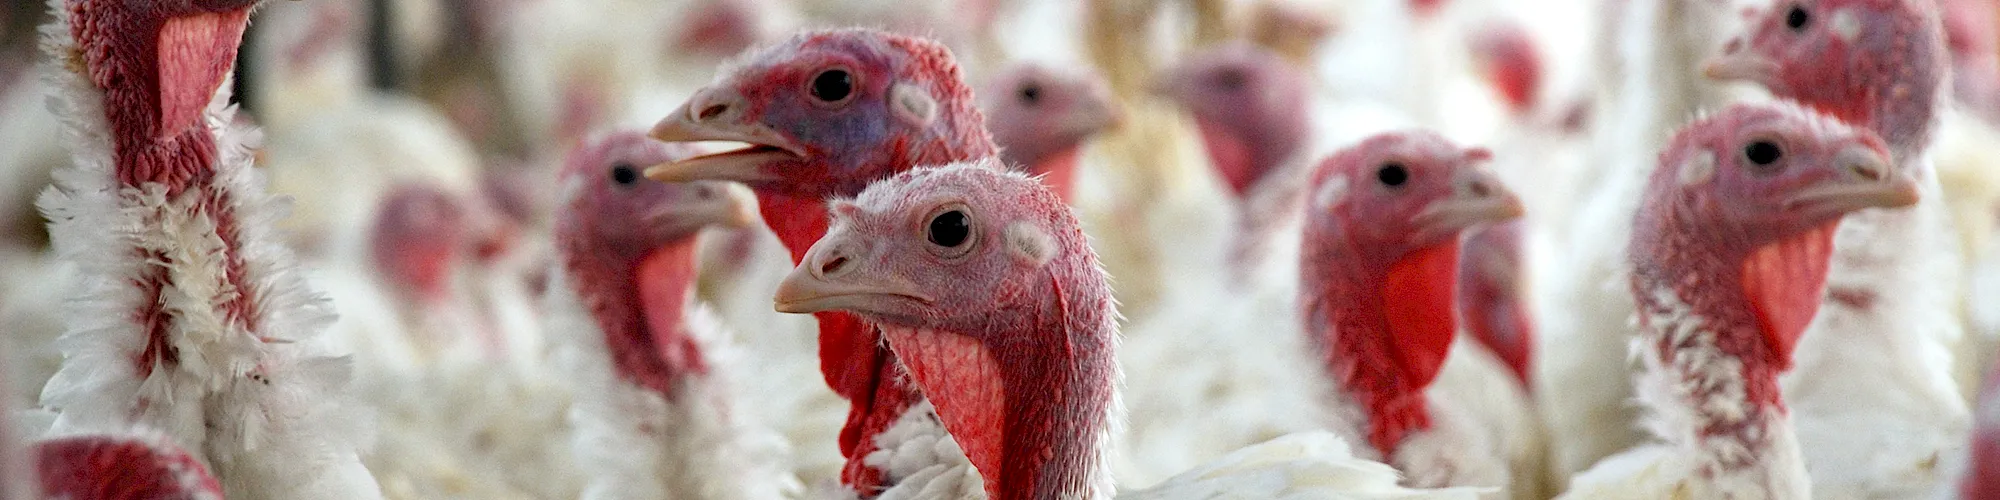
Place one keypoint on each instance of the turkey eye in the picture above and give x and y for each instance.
(1031, 94)
(1762, 153)
(1797, 18)
(624, 174)
(1392, 174)
(1230, 79)
(832, 85)
(950, 229)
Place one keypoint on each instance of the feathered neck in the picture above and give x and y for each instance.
(1719, 316)
(1383, 331)
(640, 302)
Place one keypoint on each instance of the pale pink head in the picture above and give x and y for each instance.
(1249, 104)
(985, 288)
(421, 235)
(718, 28)
(1379, 266)
(1040, 116)
(608, 201)
(159, 64)
(827, 112)
(1738, 221)
(111, 467)
(1512, 64)
(1878, 63)
(627, 247)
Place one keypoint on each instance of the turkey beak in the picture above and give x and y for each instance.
(742, 202)
(835, 275)
(1479, 199)
(720, 114)
(1865, 180)
(1739, 64)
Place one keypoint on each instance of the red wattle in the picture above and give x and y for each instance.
(1232, 157)
(1418, 297)
(1058, 171)
(1783, 282)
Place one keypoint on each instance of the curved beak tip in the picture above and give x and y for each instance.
(743, 203)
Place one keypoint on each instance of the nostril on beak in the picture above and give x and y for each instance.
(711, 111)
(1867, 171)
(1480, 189)
(832, 266)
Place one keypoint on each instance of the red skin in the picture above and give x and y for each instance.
(1014, 348)
(1378, 282)
(636, 277)
(102, 467)
(1493, 298)
(844, 148)
(1512, 64)
(153, 109)
(1982, 476)
(1493, 301)
(419, 240)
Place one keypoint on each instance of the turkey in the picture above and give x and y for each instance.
(657, 412)
(824, 114)
(191, 317)
(1006, 323)
(1873, 392)
(1041, 115)
(1729, 254)
(1648, 81)
(1378, 292)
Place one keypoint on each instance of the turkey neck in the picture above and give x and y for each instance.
(158, 72)
(1383, 332)
(1028, 399)
(1718, 324)
(640, 301)
(852, 359)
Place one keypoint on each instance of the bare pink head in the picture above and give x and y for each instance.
(627, 247)
(827, 112)
(111, 467)
(1040, 117)
(718, 28)
(1738, 222)
(1250, 106)
(985, 288)
(420, 237)
(1512, 63)
(1379, 266)
(1877, 63)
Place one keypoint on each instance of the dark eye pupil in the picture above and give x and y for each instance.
(623, 173)
(950, 229)
(832, 86)
(1031, 94)
(1230, 80)
(1392, 174)
(1762, 152)
(1797, 18)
